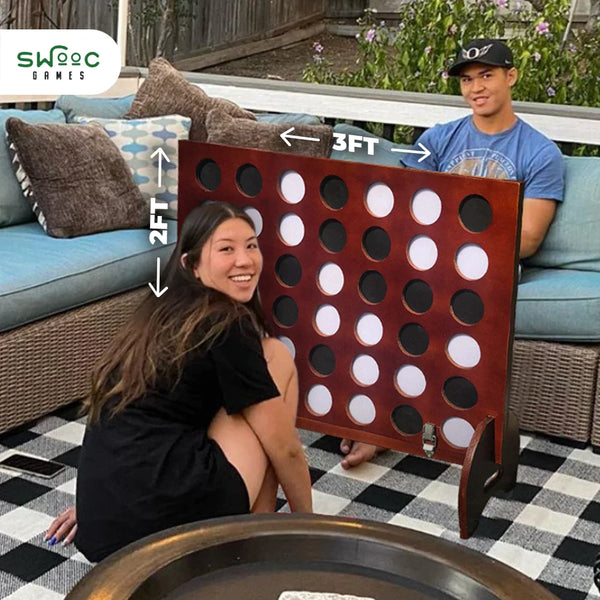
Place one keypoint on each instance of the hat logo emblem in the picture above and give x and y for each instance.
(473, 53)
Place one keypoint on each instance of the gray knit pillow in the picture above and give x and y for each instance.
(75, 178)
(224, 129)
(165, 91)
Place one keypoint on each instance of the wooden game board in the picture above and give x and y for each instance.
(395, 290)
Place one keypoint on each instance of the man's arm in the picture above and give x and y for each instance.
(537, 217)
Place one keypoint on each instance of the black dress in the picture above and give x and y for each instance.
(152, 466)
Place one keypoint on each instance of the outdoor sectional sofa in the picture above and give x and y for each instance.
(61, 300)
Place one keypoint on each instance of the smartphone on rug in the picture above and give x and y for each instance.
(32, 466)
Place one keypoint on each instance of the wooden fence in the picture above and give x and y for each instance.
(201, 26)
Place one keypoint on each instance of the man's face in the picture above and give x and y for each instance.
(486, 89)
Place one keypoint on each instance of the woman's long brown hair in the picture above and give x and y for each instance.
(154, 344)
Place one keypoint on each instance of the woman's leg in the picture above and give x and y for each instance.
(240, 444)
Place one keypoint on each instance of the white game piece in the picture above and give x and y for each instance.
(411, 380)
(426, 207)
(292, 186)
(380, 199)
(327, 319)
(365, 369)
(458, 431)
(472, 261)
(362, 409)
(422, 252)
(319, 400)
(369, 329)
(464, 350)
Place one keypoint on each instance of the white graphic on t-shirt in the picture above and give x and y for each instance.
(482, 162)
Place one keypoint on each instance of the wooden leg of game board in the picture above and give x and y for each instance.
(480, 474)
(510, 453)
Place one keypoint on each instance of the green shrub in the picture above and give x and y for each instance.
(416, 54)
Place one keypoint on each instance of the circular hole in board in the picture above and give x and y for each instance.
(379, 199)
(472, 261)
(369, 329)
(460, 392)
(319, 400)
(332, 235)
(372, 287)
(334, 192)
(422, 252)
(249, 180)
(208, 174)
(426, 207)
(361, 409)
(458, 431)
(407, 420)
(285, 311)
(292, 186)
(327, 320)
(413, 339)
(288, 270)
(418, 296)
(464, 351)
(256, 218)
(467, 307)
(288, 344)
(410, 381)
(365, 369)
(330, 279)
(475, 213)
(291, 229)
(376, 243)
(322, 359)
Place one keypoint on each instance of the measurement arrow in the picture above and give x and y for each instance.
(285, 136)
(161, 154)
(157, 291)
(424, 151)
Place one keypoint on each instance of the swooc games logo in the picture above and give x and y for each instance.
(57, 61)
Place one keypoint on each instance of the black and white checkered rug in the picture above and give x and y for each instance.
(549, 529)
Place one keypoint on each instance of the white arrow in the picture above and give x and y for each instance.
(157, 291)
(424, 151)
(161, 154)
(285, 136)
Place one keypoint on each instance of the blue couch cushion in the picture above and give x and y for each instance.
(14, 208)
(41, 276)
(106, 108)
(291, 118)
(382, 155)
(558, 304)
(573, 240)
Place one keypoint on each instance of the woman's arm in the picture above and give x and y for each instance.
(271, 422)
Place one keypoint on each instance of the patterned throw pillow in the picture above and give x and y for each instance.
(75, 179)
(165, 91)
(138, 140)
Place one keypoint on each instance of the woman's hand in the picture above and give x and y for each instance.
(64, 528)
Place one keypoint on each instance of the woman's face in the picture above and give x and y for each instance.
(230, 261)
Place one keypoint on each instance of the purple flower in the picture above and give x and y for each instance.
(427, 49)
(551, 92)
(518, 7)
(501, 3)
(543, 28)
(537, 56)
(572, 48)
(453, 29)
(317, 47)
(370, 35)
(445, 75)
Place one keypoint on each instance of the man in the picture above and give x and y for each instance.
(491, 142)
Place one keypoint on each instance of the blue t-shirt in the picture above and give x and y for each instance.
(521, 153)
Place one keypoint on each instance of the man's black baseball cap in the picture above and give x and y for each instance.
(484, 51)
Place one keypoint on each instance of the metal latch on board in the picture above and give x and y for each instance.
(429, 439)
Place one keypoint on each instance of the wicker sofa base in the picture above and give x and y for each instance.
(46, 364)
(554, 388)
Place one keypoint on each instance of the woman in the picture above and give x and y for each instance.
(192, 409)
